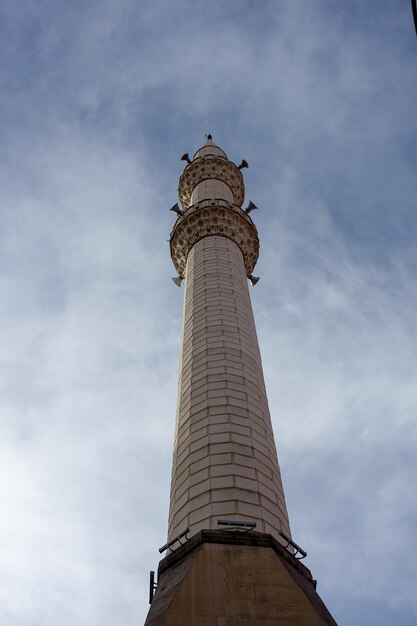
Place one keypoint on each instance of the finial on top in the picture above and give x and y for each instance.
(209, 137)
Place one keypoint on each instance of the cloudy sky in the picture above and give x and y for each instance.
(98, 100)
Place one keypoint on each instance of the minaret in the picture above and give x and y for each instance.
(231, 560)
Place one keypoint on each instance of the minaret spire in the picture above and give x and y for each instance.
(225, 471)
(225, 461)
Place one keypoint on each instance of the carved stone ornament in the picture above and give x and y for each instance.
(211, 217)
(206, 167)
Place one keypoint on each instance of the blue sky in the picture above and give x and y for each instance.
(98, 101)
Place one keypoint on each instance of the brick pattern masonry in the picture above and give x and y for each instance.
(225, 462)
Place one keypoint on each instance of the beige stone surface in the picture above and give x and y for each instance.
(230, 585)
(225, 462)
(211, 188)
(209, 149)
(208, 217)
(210, 166)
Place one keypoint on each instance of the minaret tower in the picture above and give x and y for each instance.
(231, 560)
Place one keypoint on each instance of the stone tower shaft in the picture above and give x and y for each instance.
(225, 463)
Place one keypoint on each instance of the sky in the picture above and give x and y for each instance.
(98, 101)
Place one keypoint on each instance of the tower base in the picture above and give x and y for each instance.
(234, 578)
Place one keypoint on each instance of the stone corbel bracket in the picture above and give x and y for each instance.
(206, 167)
(214, 217)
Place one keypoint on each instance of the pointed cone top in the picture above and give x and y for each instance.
(209, 148)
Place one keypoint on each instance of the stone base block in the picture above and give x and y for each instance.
(234, 578)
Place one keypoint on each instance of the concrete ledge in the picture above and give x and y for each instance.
(233, 538)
